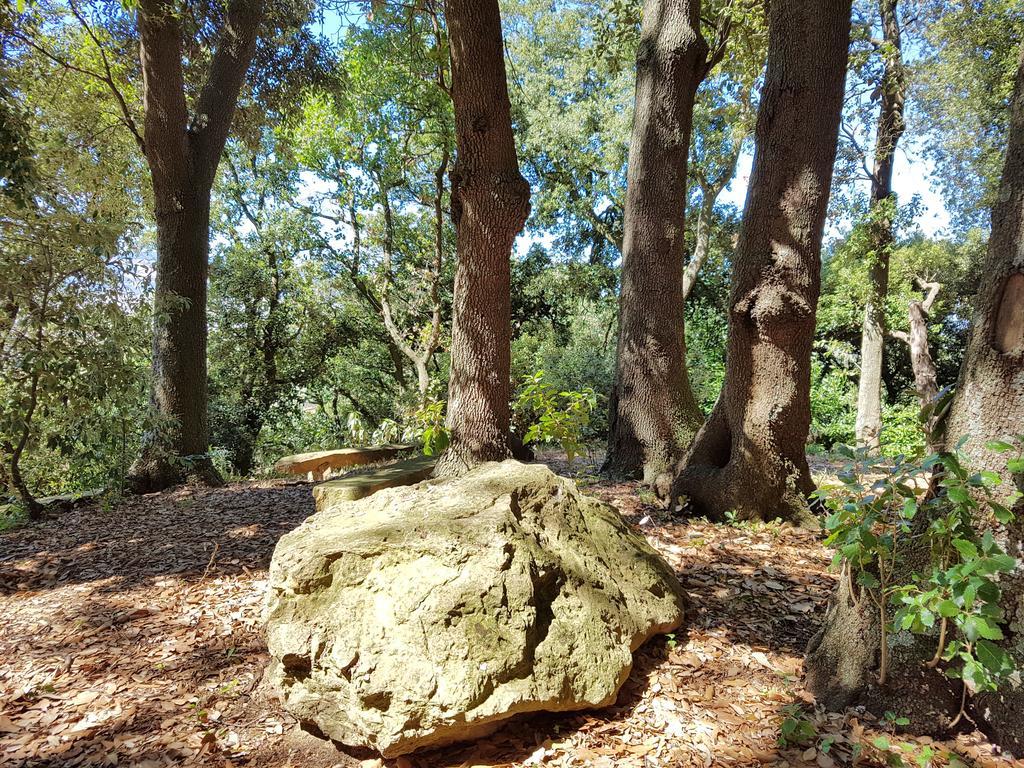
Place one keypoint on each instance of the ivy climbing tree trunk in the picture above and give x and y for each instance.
(653, 412)
(893, 87)
(183, 154)
(749, 457)
(842, 658)
(490, 201)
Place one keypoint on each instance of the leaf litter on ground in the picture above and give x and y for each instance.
(132, 637)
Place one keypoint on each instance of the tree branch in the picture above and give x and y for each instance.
(215, 106)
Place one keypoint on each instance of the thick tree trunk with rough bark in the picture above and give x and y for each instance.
(653, 412)
(749, 457)
(989, 404)
(490, 203)
(183, 155)
(842, 658)
(868, 428)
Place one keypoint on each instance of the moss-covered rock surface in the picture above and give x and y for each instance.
(429, 614)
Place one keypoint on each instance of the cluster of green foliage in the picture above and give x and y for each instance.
(73, 314)
(881, 509)
(835, 362)
(325, 207)
(553, 416)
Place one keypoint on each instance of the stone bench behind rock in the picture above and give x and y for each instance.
(361, 484)
(319, 464)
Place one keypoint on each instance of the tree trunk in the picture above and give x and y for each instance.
(490, 201)
(868, 427)
(926, 378)
(988, 405)
(183, 158)
(653, 412)
(179, 388)
(749, 457)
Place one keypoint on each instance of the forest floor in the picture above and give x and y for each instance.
(130, 636)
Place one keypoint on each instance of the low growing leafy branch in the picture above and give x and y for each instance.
(881, 509)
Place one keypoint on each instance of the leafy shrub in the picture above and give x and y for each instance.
(873, 521)
(555, 416)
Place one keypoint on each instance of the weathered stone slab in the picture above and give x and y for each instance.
(361, 484)
(71, 500)
(429, 614)
(319, 463)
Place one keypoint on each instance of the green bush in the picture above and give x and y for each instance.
(874, 520)
(553, 416)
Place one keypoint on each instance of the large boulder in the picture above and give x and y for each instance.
(424, 615)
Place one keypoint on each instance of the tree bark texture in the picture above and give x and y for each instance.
(926, 378)
(653, 412)
(183, 156)
(842, 658)
(490, 202)
(989, 404)
(868, 427)
(749, 457)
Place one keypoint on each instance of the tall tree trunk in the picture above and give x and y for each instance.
(989, 403)
(749, 457)
(653, 412)
(179, 388)
(183, 156)
(490, 201)
(868, 428)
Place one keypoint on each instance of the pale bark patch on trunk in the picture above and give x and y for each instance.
(1009, 326)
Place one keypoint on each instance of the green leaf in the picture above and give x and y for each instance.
(948, 609)
(966, 549)
(993, 658)
(1000, 446)
(958, 494)
(927, 617)
(998, 563)
(868, 580)
(978, 626)
(1001, 513)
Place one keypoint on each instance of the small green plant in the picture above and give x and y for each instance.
(11, 516)
(880, 510)
(429, 427)
(796, 729)
(555, 417)
(895, 721)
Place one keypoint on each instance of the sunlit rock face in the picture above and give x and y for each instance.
(429, 614)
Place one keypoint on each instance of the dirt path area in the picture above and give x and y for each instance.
(131, 637)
